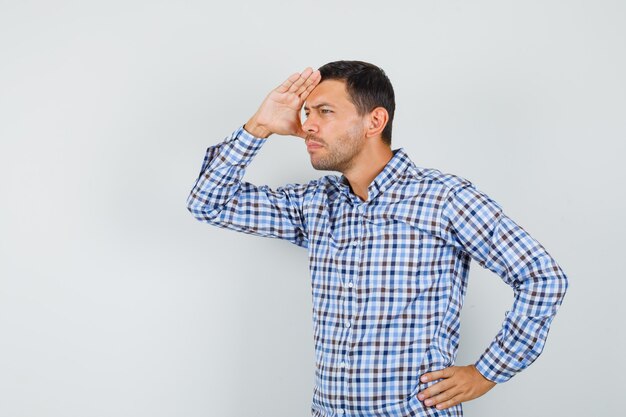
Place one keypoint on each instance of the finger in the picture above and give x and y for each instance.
(458, 399)
(309, 80)
(284, 87)
(442, 397)
(442, 373)
(310, 84)
(435, 389)
(297, 83)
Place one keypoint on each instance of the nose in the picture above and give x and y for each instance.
(309, 125)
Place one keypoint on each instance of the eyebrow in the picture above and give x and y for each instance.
(306, 108)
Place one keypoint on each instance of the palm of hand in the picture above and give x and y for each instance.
(280, 111)
(283, 111)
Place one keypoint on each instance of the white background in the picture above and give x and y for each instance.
(114, 301)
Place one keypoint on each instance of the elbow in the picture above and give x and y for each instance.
(564, 284)
(195, 213)
(196, 207)
(557, 282)
(192, 205)
(561, 280)
(201, 210)
(558, 286)
(192, 201)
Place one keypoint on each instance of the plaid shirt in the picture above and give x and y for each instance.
(389, 275)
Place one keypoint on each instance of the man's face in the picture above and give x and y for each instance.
(335, 131)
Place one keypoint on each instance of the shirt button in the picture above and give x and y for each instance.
(355, 243)
(340, 411)
(350, 284)
(348, 324)
(343, 364)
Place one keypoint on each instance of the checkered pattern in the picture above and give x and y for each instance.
(388, 275)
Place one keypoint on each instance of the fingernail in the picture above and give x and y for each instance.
(428, 402)
(420, 397)
(424, 379)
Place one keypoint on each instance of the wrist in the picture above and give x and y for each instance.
(256, 129)
(484, 378)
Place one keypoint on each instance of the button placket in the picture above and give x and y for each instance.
(350, 303)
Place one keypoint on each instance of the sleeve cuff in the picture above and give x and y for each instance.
(244, 136)
(493, 366)
(243, 147)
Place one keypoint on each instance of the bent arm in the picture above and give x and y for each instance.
(221, 198)
(477, 225)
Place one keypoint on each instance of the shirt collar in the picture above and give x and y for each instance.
(397, 165)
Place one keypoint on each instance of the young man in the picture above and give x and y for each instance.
(389, 246)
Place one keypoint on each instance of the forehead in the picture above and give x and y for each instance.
(330, 92)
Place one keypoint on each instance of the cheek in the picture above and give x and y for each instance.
(329, 128)
(336, 127)
(355, 124)
(357, 130)
(341, 127)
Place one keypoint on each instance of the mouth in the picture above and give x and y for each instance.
(311, 145)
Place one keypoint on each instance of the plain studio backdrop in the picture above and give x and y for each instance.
(115, 301)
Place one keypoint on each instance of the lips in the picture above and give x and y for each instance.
(311, 145)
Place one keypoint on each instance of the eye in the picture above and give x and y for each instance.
(326, 111)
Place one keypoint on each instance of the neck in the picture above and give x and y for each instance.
(366, 166)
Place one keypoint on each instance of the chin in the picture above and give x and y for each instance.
(317, 166)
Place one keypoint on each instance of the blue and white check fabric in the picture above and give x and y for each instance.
(389, 274)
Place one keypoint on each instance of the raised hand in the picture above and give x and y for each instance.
(280, 111)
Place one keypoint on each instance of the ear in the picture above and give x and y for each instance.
(376, 122)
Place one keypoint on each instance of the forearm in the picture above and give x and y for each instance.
(476, 224)
(539, 285)
(221, 198)
(221, 174)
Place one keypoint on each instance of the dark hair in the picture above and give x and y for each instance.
(368, 87)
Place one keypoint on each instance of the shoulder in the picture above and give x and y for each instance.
(445, 183)
(324, 186)
(451, 189)
(460, 194)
